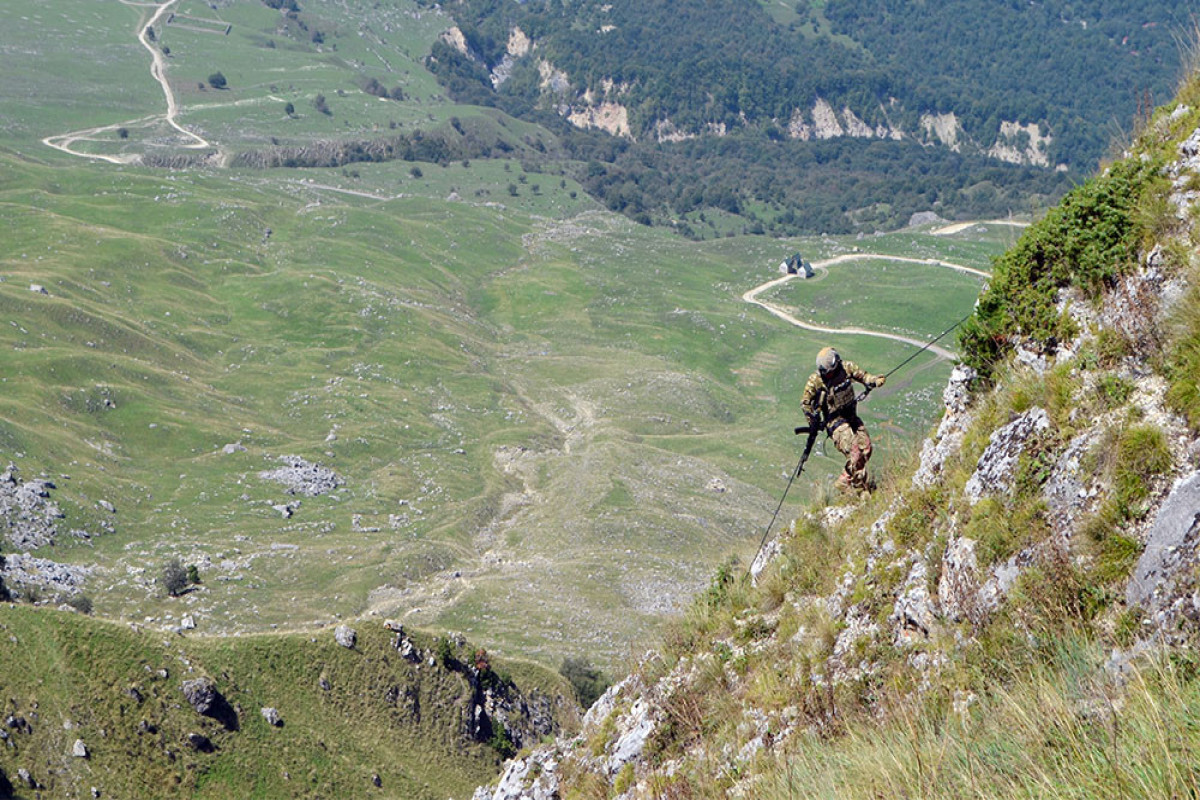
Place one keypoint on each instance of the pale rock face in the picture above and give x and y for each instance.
(532, 778)
(948, 439)
(854, 126)
(995, 471)
(1067, 495)
(610, 117)
(553, 79)
(914, 613)
(798, 127)
(1171, 545)
(825, 121)
(1006, 149)
(519, 44)
(943, 127)
(665, 131)
(455, 38)
(959, 583)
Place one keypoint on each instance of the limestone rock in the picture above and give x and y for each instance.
(959, 583)
(271, 715)
(956, 398)
(79, 749)
(914, 612)
(995, 471)
(345, 636)
(1067, 496)
(201, 694)
(303, 477)
(1171, 546)
(531, 778)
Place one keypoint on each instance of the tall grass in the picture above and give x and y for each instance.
(1067, 729)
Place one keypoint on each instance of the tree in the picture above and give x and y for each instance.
(122, 133)
(290, 110)
(320, 105)
(589, 682)
(174, 578)
(217, 80)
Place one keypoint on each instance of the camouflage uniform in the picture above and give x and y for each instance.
(831, 398)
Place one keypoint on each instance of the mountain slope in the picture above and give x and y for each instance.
(1016, 614)
(395, 715)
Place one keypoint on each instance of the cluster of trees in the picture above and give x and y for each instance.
(787, 188)
(1064, 63)
(1074, 67)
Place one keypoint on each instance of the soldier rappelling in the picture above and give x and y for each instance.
(829, 399)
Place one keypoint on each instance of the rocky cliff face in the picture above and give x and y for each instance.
(1067, 484)
(1015, 142)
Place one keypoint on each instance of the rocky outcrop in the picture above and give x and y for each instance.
(201, 694)
(345, 636)
(998, 464)
(26, 574)
(302, 477)
(29, 517)
(1163, 580)
(956, 398)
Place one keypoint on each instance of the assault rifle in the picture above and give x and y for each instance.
(812, 430)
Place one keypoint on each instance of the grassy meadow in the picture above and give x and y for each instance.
(552, 423)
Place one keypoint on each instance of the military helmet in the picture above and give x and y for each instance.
(828, 360)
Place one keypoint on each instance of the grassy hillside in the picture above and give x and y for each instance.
(348, 715)
(1013, 614)
(596, 377)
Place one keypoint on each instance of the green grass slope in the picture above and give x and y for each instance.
(118, 691)
(532, 395)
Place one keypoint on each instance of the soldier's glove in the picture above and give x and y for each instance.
(878, 381)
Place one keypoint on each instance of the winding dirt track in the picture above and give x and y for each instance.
(158, 70)
(751, 296)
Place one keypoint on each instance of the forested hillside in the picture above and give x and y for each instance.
(1001, 85)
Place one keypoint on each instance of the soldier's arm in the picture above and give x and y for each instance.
(809, 400)
(862, 376)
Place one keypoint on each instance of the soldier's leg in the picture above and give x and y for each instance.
(843, 439)
(860, 453)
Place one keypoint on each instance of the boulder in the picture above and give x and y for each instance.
(271, 715)
(345, 636)
(201, 694)
(79, 749)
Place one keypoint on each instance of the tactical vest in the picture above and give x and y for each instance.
(840, 400)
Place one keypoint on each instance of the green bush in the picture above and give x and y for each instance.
(174, 578)
(588, 681)
(1086, 241)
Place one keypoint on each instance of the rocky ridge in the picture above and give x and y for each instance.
(922, 603)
